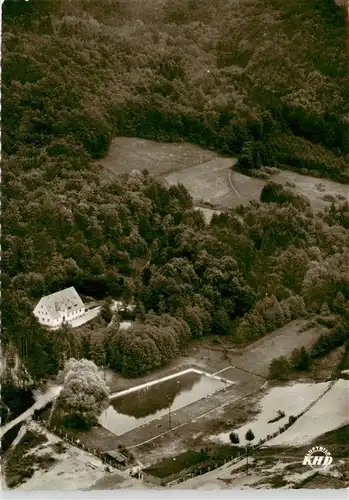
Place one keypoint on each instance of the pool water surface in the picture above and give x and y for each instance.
(134, 409)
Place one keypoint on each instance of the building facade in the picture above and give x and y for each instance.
(59, 308)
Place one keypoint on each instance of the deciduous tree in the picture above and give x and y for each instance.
(84, 394)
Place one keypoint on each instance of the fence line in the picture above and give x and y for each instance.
(76, 442)
(260, 442)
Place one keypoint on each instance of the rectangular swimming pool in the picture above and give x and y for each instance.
(138, 406)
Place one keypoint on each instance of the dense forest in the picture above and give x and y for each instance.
(265, 81)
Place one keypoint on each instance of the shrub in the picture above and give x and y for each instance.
(296, 306)
(344, 362)
(198, 321)
(249, 436)
(340, 305)
(328, 321)
(301, 359)
(273, 192)
(326, 343)
(279, 368)
(259, 174)
(221, 323)
(234, 438)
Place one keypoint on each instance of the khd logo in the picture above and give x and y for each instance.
(318, 458)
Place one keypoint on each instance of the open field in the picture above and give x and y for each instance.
(257, 356)
(214, 182)
(208, 176)
(129, 153)
(329, 413)
(291, 400)
(209, 181)
(313, 188)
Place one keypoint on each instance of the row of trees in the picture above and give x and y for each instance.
(147, 345)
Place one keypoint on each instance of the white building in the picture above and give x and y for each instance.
(125, 325)
(118, 306)
(59, 308)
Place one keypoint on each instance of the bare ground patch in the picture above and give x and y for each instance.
(129, 153)
(45, 462)
(282, 469)
(320, 192)
(257, 356)
(207, 182)
(208, 176)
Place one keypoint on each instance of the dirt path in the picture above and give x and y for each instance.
(42, 400)
(232, 185)
(200, 171)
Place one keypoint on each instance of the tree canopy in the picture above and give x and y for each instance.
(84, 395)
(74, 76)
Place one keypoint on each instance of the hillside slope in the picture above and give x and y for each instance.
(259, 80)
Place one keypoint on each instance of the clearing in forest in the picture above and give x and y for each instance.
(208, 176)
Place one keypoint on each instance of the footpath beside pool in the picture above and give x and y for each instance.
(138, 406)
(168, 377)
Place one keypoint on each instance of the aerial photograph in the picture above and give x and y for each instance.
(174, 245)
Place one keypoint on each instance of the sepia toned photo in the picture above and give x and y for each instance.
(174, 246)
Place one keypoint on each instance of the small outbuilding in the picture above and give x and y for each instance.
(116, 458)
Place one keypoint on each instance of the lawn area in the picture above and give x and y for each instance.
(97, 438)
(337, 440)
(209, 178)
(193, 461)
